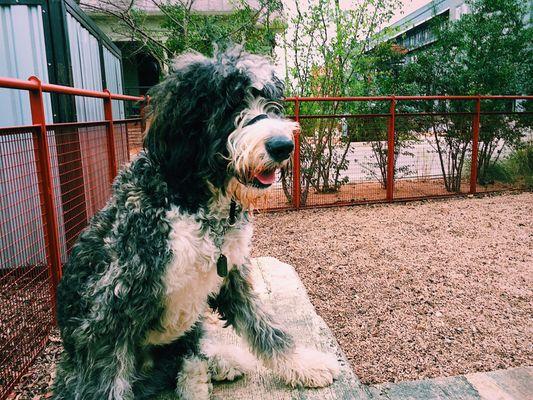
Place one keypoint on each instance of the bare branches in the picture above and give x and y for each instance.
(164, 28)
(326, 44)
(129, 24)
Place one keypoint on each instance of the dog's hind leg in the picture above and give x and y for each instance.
(194, 381)
(227, 363)
(239, 306)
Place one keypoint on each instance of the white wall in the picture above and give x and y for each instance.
(22, 54)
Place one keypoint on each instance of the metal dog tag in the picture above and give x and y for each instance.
(222, 266)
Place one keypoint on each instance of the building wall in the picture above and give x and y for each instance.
(22, 54)
(113, 78)
(86, 70)
(22, 51)
(29, 38)
(415, 30)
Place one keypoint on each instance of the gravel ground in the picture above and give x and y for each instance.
(416, 290)
(410, 290)
(37, 383)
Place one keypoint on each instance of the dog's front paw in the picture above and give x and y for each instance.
(306, 367)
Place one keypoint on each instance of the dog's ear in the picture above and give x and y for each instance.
(274, 89)
(193, 112)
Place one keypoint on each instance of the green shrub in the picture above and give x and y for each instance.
(519, 166)
(497, 172)
(516, 168)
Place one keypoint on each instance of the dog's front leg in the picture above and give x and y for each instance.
(240, 307)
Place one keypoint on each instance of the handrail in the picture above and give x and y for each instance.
(21, 84)
(389, 98)
(13, 83)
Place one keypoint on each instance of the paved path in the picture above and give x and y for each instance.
(510, 384)
(281, 290)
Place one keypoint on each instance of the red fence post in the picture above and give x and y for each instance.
(112, 156)
(475, 146)
(296, 192)
(46, 190)
(390, 150)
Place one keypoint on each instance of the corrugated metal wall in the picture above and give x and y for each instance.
(22, 51)
(86, 70)
(22, 54)
(113, 78)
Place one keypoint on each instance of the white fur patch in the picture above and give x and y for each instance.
(305, 367)
(185, 60)
(227, 363)
(259, 68)
(193, 382)
(246, 144)
(189, 279)
(191, 275)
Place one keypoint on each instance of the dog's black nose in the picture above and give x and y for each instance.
(279, 148)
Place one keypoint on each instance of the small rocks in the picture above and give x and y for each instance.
(450, 281)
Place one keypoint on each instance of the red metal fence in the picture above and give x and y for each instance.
(353, 150)
(53, 178)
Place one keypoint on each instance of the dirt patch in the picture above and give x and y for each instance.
(416, 290)
(25, 319)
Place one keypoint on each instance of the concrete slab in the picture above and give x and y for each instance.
(452, 388)
(281, 290)
(509, 384)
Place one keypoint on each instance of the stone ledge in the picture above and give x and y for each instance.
(508, 384)
(283, 294)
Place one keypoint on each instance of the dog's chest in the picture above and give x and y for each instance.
(191, 275)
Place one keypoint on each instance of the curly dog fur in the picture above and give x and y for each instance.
(141, 275)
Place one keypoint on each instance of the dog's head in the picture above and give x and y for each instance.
(217, 126)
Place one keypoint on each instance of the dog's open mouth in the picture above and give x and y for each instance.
(265, 178)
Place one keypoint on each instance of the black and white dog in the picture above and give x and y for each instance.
(175, 238)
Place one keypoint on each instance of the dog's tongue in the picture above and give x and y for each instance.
(267, 178)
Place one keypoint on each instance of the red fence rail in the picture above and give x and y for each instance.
(53, 178)
(399, 136)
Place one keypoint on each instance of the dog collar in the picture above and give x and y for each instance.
(222, 262)
(255, 119)
(232, 210)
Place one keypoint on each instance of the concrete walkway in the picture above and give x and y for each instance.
(282, 292)
(509, 384)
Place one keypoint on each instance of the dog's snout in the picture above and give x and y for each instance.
(279, 148)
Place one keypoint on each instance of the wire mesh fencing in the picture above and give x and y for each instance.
(377, 149)
(25, 290)
(53, 179)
